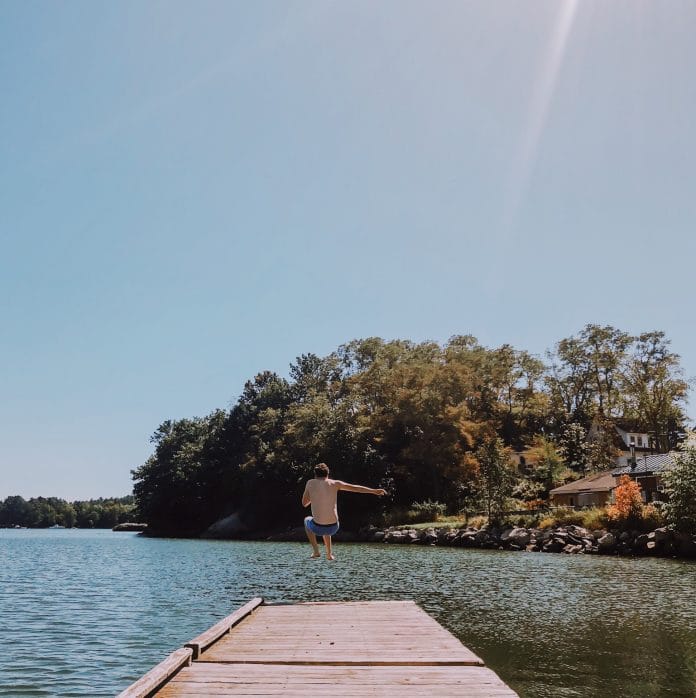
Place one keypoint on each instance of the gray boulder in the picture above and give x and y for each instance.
(578, 531)
(659, 535)
(607, 543)
(544, 535)
(430, 537)
(483, 538)
(640, 545)
(519, 537)
(468, 539)
(394, 537)
(229, 527)
(129, 526)
(450, 538)
(553, 546)
(412, 536)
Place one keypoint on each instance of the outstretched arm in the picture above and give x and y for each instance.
(306, 501)
(347, 487)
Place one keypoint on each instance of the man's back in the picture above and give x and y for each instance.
(322, 493)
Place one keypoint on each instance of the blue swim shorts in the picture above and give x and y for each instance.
(318, 529)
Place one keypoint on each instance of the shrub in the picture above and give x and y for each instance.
(651, 518)
(569, 517)
(593, 519)
(628, 504)
(428, 510)
(394, 517)
(477, 521)
(547, 522)
(523, 520)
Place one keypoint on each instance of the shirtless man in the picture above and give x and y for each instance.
(321, 494)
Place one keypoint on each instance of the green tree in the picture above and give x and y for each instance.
(15, 511)
(399, 414)
(413, 403)
(574, 448)
(654, 389)
(168, 486)
(548, 469)
(606, 349)
(585, 374)
(569, 383)
(680, 481)
(602, 449)
(495, 478)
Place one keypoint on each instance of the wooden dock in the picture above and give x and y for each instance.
(364, 648)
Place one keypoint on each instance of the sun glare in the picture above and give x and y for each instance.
(541, 96)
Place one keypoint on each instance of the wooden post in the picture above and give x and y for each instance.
(198, 644)
(159, 675)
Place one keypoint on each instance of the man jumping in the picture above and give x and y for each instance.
(321, 493)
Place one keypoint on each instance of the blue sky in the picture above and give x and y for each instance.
(194, 192)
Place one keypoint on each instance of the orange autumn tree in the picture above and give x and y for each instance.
(628, 503)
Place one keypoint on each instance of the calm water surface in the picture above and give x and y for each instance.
(85, 613)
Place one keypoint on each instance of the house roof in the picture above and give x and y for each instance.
(597, 482)
(630, 425)
(625, 426)
(621, 445)
(655, 463)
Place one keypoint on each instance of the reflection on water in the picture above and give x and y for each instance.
(84, 613)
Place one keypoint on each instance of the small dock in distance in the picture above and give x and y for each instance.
(362, 648)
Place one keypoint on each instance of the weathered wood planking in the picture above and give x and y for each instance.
(297, 680)
(342, 633)
(382, 648)
(207, 638)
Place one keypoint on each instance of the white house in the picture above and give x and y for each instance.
(628, 438)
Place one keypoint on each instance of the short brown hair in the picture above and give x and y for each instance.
(321, 470)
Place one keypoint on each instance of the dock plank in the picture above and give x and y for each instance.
(341, 634)
(246, 679)
(362, 648)
(198, 644)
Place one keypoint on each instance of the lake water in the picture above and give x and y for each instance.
(85, 613)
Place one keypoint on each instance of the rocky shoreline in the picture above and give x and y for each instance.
(571, 540)
(567, 539)
(130, 526)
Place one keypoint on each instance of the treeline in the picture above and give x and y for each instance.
(43, 512)
(428, 422)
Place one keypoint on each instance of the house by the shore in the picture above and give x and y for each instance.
(648, 472)
(596, 490)
(592, 491)
(627, 437)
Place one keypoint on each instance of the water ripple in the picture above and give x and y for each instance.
(85, 613)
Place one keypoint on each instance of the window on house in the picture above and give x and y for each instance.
(632, 439)
(639, 441)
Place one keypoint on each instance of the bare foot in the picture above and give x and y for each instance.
(315, 555)
(330, 557)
